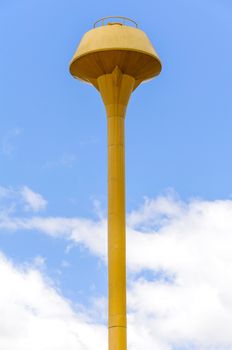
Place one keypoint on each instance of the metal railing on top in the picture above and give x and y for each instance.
(111, 20)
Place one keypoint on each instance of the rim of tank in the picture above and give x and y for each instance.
(115, 49)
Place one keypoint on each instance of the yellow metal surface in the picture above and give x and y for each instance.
(115, 89)
(116, 59)
(103, 48)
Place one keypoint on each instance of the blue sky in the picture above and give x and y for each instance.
(53, 193)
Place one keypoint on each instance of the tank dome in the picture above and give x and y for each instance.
(115, 45)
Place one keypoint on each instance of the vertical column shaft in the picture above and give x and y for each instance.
(116, 234)
(116, 89)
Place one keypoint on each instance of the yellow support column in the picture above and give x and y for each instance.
(116, 58)
(115, 90)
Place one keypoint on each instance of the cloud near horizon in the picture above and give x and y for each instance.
(186, 303)
(35, 316)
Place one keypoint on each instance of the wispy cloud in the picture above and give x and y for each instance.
(33, 201)
(66, 160)
(24, 199)
(39, 261)
(7, 143)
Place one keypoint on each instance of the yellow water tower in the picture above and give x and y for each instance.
(115, 57)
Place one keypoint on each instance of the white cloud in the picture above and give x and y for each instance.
(91, 234)
(33, 201)
(25, 199)
(190, 243)
(35, 316)
(186, 247)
